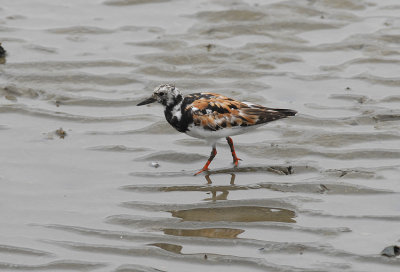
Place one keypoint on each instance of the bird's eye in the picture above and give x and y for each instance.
(161, 93)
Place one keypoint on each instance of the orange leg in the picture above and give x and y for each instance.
(212, 155)
(235, 158)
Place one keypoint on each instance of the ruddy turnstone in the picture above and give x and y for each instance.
(212, 116)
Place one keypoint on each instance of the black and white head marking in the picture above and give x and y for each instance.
(167, 95)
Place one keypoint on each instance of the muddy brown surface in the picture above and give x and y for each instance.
(79, 186)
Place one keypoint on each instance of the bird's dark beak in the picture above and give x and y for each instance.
(147, 101)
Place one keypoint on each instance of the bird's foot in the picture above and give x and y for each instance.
(236, 161)
(212, 155)
(202, 170)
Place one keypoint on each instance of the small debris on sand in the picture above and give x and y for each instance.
(209, 47)
(61, 133)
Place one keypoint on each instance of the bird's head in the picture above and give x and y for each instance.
(165, 94)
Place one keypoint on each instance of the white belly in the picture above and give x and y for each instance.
(209, 135)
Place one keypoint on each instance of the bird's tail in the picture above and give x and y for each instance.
(286, 112)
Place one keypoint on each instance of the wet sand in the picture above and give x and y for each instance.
(317, 192)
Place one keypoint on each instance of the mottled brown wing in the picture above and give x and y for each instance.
(214, 111)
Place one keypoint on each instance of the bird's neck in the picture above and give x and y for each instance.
(172, 103)
(173, 113)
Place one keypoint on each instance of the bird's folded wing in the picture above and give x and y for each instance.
(214, 111)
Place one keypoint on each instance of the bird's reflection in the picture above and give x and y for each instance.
(233, 176)
(224, 192)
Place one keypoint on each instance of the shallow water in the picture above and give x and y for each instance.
(317, 192)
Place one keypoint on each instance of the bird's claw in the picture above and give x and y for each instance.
(236, 162)
(201, 171)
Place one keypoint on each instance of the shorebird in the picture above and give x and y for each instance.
(212, 116)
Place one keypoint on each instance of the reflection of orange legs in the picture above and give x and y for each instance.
(213, 190)
(233, 177)
(212, 155)
(235, 158)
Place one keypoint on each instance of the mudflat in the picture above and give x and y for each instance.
(90, 182)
